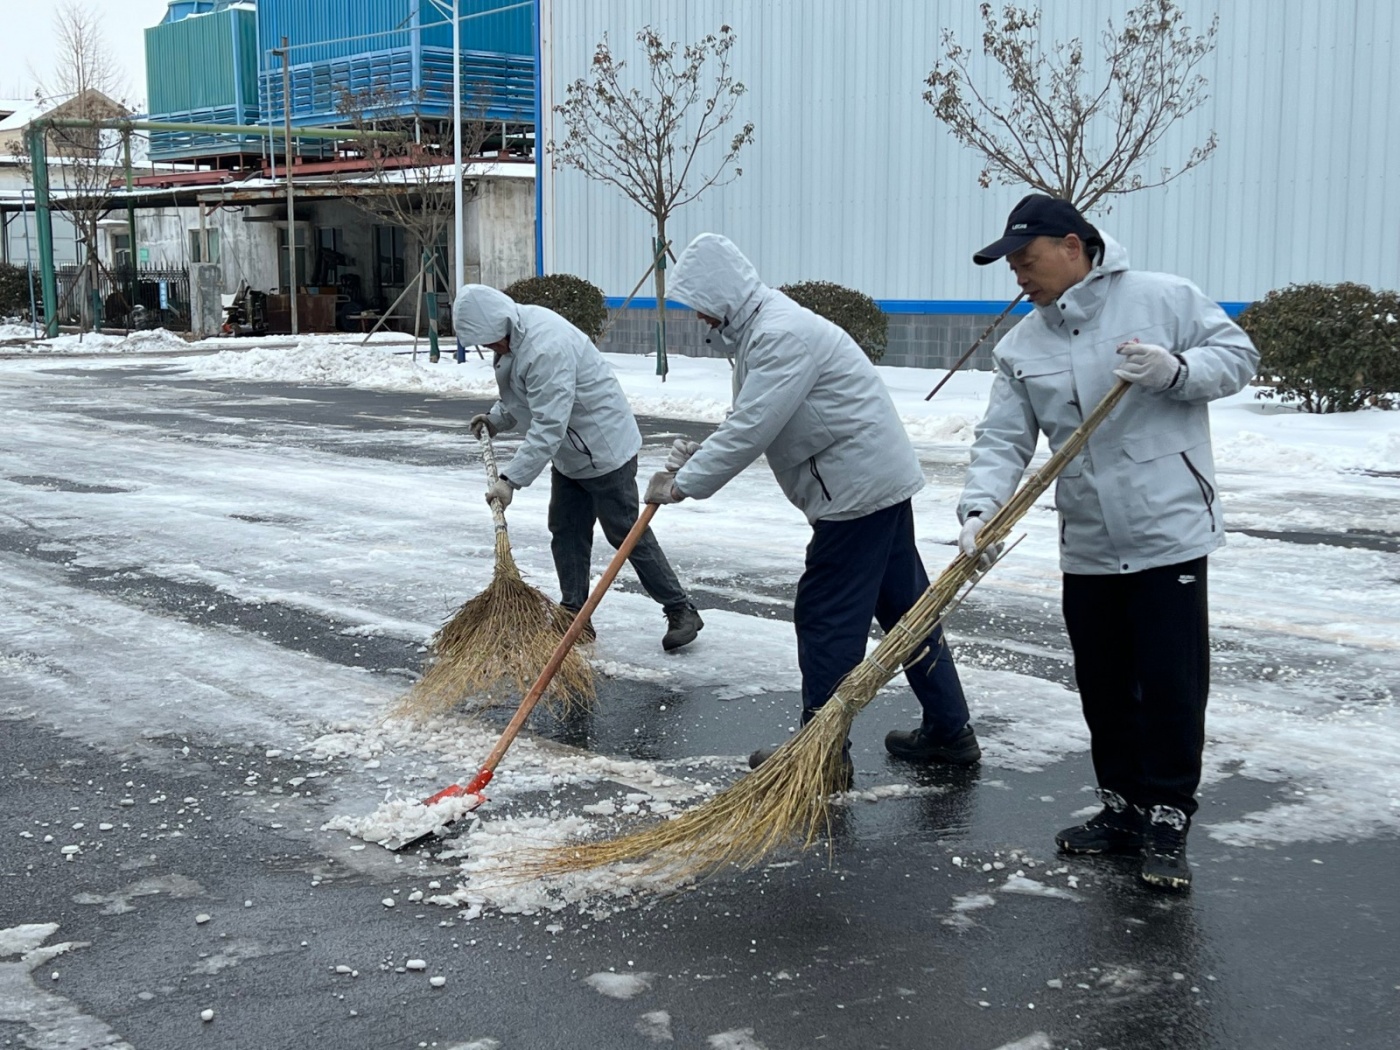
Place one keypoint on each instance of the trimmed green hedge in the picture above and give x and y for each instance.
(571, 297)
(1328, 347)
(852, 311)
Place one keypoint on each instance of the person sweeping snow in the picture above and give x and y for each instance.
(1138, 514)
(553, 379)
(808, 398)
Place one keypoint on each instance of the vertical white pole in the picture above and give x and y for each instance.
(459, 270)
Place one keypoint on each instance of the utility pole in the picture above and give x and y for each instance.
(459, 271)
(284, 53)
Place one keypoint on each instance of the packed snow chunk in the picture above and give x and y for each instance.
(206, 1015)
(1034, 1041)
(201, 919)
(620, 985)
(415, 964)
(437, 982)
(1019, 883)
(19, 940)
(738, 1039)
(405, 819)
(388, 902)
(655, 1026)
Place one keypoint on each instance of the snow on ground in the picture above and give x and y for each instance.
(1309, 635)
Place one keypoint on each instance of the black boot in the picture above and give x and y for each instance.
(1164, 849)
(683, 623)
(565, 616)
(919, 745)
(1117, 828)
(844, 783)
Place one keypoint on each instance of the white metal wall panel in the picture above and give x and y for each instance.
(851, 178)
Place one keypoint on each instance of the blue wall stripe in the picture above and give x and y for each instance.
(926, 307)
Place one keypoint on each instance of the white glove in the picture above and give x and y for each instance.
(967, 543)
(681, 451)
(662, 488)
(478, 422)
(1148, 365)
(502, 491)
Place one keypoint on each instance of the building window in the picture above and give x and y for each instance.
(121, 251)
(197, 246)
(282, 257)
(389, 256)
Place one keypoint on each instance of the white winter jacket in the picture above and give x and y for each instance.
(804, 394)
(555, 383)
(1142, 494)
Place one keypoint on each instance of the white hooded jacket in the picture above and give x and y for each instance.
(1142, 494)
(555, 383)
(805, 395)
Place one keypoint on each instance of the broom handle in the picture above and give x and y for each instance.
(488, 456)
(527, 704)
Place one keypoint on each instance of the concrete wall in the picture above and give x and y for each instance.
(500, 235)
(915, 340)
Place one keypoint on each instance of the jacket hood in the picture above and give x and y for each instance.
(482, 315)
(714, 277)
(1115, 256)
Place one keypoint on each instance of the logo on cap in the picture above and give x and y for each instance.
(1020, 225)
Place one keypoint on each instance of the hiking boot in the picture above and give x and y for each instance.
(919, 745)
(682, 625)
(1117, 828)
(1164, 849)
(565, 616)
(845, 783)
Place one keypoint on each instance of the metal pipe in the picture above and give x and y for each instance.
(130, 234)
(29, 266)
(212, 129)
(459, 269)
(284, 52)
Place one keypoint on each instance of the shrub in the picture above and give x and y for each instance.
(852, 311)
(1330, 347)
(14, 291)
(572, 298)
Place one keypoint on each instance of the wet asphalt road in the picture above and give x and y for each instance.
(1286, 947)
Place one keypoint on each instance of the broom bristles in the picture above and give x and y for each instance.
(494, 647)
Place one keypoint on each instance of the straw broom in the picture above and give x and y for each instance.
(494, 646)
(786, 799)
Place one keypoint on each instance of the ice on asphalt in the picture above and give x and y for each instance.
(1309, 702)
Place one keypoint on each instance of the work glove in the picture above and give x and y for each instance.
(479, 422)
(1148, 365)
(662, 488)
(681, 451)
(967, 543)
(502, 491)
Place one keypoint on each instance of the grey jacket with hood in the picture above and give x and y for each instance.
(1142, 494)
(805, 395)
(555, 383)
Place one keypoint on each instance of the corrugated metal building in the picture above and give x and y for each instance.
(851, 178)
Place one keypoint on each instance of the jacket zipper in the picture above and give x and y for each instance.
(1207, 490)
(812, 466)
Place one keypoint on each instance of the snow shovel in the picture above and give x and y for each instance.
(477, 784)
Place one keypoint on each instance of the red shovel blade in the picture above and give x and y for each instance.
(473, 789)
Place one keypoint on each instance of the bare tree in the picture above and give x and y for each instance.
(85, 161)
(407, 181)
(1053, 130)
(648, 142)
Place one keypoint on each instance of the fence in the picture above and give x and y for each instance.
(161, 294)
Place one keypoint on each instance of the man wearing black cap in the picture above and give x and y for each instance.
(1138, 508)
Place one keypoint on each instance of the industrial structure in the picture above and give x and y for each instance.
(851, 178)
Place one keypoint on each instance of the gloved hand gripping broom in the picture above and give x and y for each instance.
(494, 646)
(786, 799)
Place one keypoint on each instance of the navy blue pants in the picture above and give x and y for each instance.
(858, 570)
(575, 506)
(1142, 661)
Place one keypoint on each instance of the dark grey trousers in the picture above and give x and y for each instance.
(575, 504)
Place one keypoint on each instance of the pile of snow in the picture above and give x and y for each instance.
(153, 341)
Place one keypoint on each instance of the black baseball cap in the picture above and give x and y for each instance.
(1037, 215)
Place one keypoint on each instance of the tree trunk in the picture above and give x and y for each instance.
(659, 257)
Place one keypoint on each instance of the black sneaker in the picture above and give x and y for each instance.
(848, 768)
(682, 625)
(1164, 849)
(565, 616)
(1117, 828)
(919, 745)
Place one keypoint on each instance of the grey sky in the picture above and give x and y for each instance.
(26, 42)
